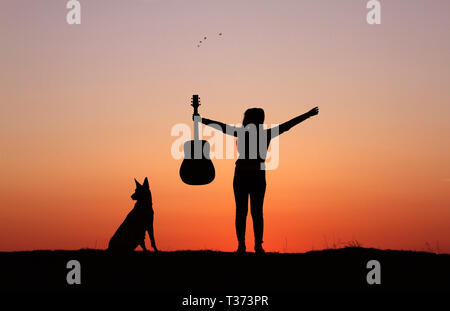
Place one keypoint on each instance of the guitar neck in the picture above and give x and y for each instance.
(196, 125)
(195, 104)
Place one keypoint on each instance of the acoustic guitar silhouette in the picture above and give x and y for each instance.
(197, 168)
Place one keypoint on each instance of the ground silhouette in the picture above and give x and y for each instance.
(184, 272)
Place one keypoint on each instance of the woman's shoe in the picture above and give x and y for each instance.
(241, 249)
(259, 249)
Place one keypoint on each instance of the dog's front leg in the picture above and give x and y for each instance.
(152, 237)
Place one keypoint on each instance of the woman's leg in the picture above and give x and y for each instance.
(241, 193)
(256, 203)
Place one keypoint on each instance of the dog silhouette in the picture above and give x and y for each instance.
(131, 232)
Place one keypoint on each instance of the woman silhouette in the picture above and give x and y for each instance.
(250, 175)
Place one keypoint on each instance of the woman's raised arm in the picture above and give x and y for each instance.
(225, 128)
(293, 122)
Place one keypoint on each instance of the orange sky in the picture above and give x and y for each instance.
(85, 109)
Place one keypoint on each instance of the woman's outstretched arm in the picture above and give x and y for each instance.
(225, 128)
(293, 122)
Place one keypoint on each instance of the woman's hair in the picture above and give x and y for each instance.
(253, 116)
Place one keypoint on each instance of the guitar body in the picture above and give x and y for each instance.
(197, 168)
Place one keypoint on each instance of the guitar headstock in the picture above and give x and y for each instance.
(195, 103)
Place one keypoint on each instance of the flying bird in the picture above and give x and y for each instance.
(204, 39)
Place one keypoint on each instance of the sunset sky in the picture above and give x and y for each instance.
(86, 108)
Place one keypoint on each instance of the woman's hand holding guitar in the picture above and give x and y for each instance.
(195, 115)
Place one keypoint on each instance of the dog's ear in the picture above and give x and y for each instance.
(137, 183)
(145, 184)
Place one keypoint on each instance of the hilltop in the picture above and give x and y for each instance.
(181, 273)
